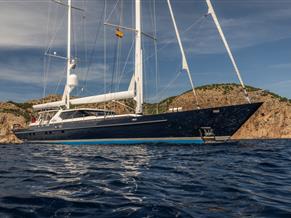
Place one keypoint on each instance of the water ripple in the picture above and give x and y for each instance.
(238, 179)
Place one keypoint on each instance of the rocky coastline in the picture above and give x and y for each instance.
(272, 120)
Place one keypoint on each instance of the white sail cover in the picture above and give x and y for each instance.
(103, 98)
(88, 100)
(48, 105)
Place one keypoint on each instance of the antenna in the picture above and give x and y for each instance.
(213, 14)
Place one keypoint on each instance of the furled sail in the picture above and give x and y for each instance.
(103, 98)
(88, 100)
(130, 93)
(49, 105)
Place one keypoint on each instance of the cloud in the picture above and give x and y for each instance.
(263, 24)
(37, 23)
(281, 66)
(23, 23)
(27, 26)
(24, 68)
(283, 83)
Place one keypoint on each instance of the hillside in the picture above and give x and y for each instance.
(272, 120)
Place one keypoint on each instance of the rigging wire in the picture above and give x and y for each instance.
(45, 73)
(129, 53)
(61, 79)
(119, 48)
(74, 45)
(184, 63)
(211, 11)
(152, 68)
(60, 24)
(199, 21)
(201, 18)
(104, 55)
(45, 61)
(125, 63)
(74, 36)
(121, 45)
(114, 64)
(169, 41)
(55, 25)
(84, 38)
(179, 72)
(147, 68)
(74, 41)
(198, 30)
(116, 72)
(118, 102)
(92, 52)
(110, 14)
(116, 61)
(78, 46)
(156, 51)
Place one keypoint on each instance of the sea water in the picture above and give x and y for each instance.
(238, 179)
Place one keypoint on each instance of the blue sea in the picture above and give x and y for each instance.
(235, 179)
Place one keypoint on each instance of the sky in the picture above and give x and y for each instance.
(258, 32)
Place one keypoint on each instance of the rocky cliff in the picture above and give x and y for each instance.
(11, 114)
(272, 120)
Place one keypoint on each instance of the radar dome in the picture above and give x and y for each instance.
(73, 80)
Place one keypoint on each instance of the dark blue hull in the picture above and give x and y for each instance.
(195, 126)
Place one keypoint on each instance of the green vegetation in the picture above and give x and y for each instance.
(282, 99)
(25, 109)
(225, 86)
(22, 109)
(23, 106)
(252, 89)
(18, 113)
(228, 87)
(150, 108)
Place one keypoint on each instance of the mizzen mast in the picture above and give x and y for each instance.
(67, 88)
(213, 14)
(72, 80)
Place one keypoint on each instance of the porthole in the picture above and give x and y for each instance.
(216, 111)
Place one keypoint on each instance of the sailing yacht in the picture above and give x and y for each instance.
(58, 123)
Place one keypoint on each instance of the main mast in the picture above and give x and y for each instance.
(138, 73)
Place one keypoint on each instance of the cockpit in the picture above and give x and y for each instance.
(84, 113)
(70, 115)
